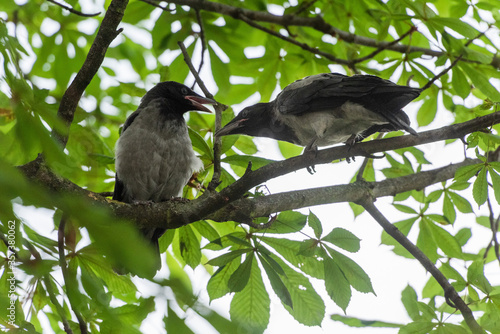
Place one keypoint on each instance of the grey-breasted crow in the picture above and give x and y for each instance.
(154, 157)
(327, 109)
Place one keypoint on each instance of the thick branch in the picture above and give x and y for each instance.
(316, 23)
(264, 206)
(106, 34)
(172, 215)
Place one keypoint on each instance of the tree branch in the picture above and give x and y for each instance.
(303, 46)
(106, 34)
(451, 295)
(180, 214)
(71, 10)
(219, 108)
(264, 206)
(316, 23)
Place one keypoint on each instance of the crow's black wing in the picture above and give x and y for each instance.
(330, 90)
(307, 95)
(119, 190)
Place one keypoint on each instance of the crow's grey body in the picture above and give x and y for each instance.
(154, 158)
(327, 109)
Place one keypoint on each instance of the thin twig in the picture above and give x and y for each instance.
(64, 269)
(47, 279)
(427, 85)
(361, 170)
(451, 295)
(218, 119)
(153, 3)
(189, 63)
(71, 10)
(443, 72)
(303, 46)
(385, 47)
(304, 6)
(494, 230)
(202, 38)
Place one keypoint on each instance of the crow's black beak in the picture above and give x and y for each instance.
(231, 128)
(198, 102)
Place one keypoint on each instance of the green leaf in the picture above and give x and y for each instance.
(217, 286)
(455, 24)
(189, 246)
(410, 302)
(404, 208)
(480, 187)
(337, 286)
(482, 82)
(308, 247)
(250, 308)
(495, 179)
(355, 322)
(467, 172)
(460, 83)
(418, 327)
(427, 111)
(452, 273)
(246, 145)
(289, 250)
(175, 324)
(206, 230)
(449, 209)
(445, 241)
(289, 150)
(460, 202)
(475, 276)
(240, 277)
(263, 251)
(356, 276)
(425, 240)
(343, 239)
(315, 224)
(228, 257)
(288, 222)
(277, 284)
(244, 160)
(200, 143)
(308, 307)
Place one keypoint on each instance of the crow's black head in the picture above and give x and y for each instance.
(258, 120)
(180, 97)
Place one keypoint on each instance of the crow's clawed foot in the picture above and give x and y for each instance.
(311, 150)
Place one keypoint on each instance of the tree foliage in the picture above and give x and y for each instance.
(72, 73)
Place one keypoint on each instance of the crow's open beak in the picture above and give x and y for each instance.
(198, 102)
(231, 128)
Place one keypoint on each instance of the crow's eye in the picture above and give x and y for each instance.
(184, 91)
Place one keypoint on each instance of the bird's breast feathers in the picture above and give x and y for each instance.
(155, 159)
(332, 126)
